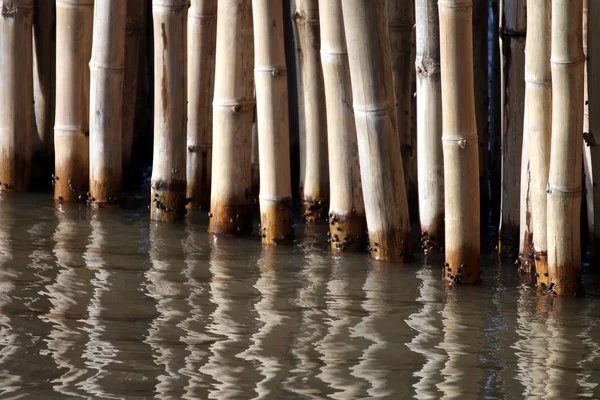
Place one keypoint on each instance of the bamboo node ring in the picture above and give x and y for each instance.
(563, 191)
(384, 108)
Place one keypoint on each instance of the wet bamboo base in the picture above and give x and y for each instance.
(347, 232)
(527, 254)
(314, 210)
(229, 219)
(71, 180)
(462, 265)
(508, 242)
(391, 245)
(541, 270)
(14, 174)
(101, 194)
(276, 221)
(199, 159)
(432, 235)
(168, 201)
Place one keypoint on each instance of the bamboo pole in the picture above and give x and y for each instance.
(375, 116)
(16, 93)
(537, 124)
(233, 107)
(401, 21)
(44, 80)
(202, 33)
(135, 26)
(314, 174)
(460, 144)
(512, 43)
(495, 154)
(526, 252)
(106, 100)
(168, 167)
(564, 182)
(74, 26)
(347, 223)
(429, 124)
(270, 74)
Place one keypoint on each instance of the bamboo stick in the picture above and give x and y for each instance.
(537, 124)
(347, 222)
(233, 107)
(168, 167)
(564, 182)
(526, 252)
(401, 21)
(512, 42)
(106, 100)
(460, 144)
(270, 74)
(202, 32)
(314, 174)
(495, 154)
(375, 116)
(74, 26)
(429, 125)
(16, 93)
(135, 26)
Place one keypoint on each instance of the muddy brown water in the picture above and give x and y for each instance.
(114, 306)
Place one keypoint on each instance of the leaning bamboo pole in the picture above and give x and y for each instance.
(16, 92)
(564, 181)
(429, 124)
(202, 32)
(107, 66)
(537, 124)
(526, 253)
(314, 174)
(460, 143)
(170, 113)
(270, 74)
(512, 44)
(74, 26)
(384, 192)
(233, 106)
(401, 22)
(347, 223)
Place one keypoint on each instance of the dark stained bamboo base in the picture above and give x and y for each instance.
(391, 245)
(314, 210)
(168, 201)
(276, 222)
(347, 232)
(462, 265)
(228, 219)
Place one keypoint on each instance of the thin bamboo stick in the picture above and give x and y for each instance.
(314, 174)
(495, 154)
(106, 100)
(526, 252)
(16, 93)
(537, 124)
(202, 33)
(74, 26)
(347, 222)
(384, 191)
(233, 107)
(272, 115)
(460, 143)
(170, 110)
(564, 181)
(429, 124)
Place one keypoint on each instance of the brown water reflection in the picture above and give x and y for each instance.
(112, 306)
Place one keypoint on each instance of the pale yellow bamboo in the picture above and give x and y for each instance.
(480, 71)
(106, 100)
(202, 32)
(384, 192)
(270, 74)
(526, 253)
(170, 110)
(460, 143)
(347, 223)
(564, 181)
(233, 106)
(74, 26)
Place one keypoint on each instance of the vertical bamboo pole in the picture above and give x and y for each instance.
(537, 124)
(512, 43)
(526, 255)
(401, 21)
(169, 161)
(314, 174)
(460, 144)
(495, 155)
(106, 100)
(135, 25)
(272, 116)
(74, 26)
(44, 80)
(347, 223)
(429, 124)
(233, 107)
(202, 32)
(375, 116)
(16, 93)
(564, 182)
